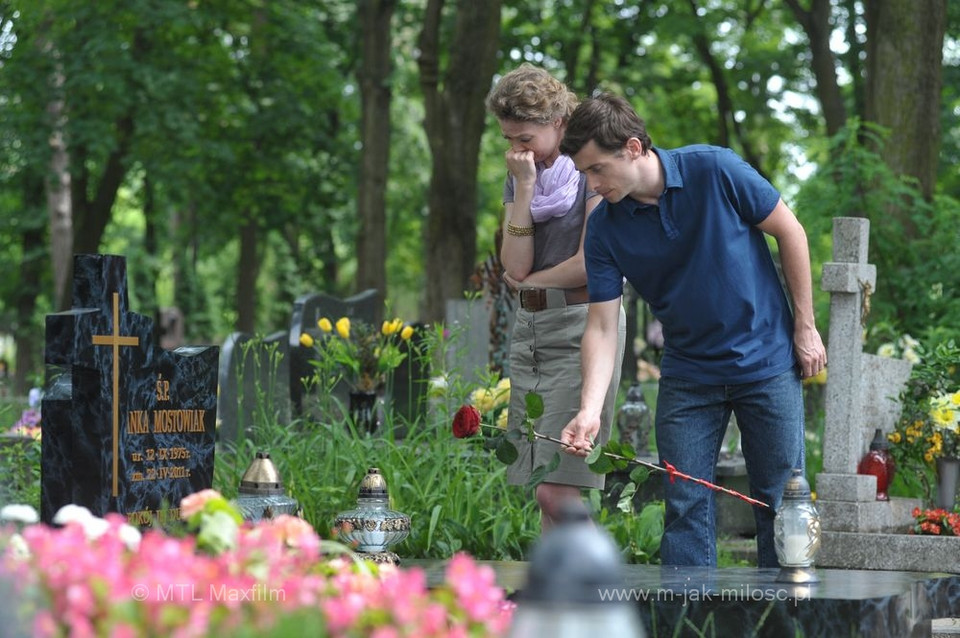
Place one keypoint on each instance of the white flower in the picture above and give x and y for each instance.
(911, 355)
(18, 547)
(23, 514)
(908, 343)
(887, 350)
(437, 387)
(130, 536)
(94, 528)
(71, 513)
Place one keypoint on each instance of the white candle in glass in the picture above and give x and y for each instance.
(795, 549)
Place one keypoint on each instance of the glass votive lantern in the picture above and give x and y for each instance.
(261, 494)
(372, 526)
(796, 532)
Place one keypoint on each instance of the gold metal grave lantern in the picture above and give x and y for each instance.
(261, 493)
(372, 526)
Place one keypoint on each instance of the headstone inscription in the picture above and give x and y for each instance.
(128, 426)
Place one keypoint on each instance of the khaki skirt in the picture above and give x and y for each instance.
(545, 358)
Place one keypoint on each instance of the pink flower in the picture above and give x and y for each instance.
(165, 586)
(194, 503)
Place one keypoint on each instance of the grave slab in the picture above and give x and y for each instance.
(891, 551)
(736, 602)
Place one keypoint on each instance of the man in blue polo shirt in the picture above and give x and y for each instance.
(686, 227)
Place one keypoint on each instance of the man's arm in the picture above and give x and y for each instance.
(598, 354)
(795, 259)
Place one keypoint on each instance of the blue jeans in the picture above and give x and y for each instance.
(691, 419)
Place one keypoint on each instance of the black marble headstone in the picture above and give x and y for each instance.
(128, 427)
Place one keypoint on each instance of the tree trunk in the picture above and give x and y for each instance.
(726, 113)
(454, 124)
(904, 77)
(146, 274)
(248, 269)
(29, 336)
(816, 24)
(374, 79)
(59, 204)
(91, 217)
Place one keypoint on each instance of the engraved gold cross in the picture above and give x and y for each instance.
(116, 340)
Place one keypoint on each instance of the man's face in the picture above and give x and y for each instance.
(611, 175)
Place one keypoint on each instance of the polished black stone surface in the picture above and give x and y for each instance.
(111, 388)
(737, 602)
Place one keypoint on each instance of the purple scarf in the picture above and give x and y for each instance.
(555, 190)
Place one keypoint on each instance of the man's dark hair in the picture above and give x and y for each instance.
(607, 119)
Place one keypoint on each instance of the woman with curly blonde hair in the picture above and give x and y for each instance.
(546, 206)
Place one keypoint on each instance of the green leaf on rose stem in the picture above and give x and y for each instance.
(534, 405)
(507, 452)
(594, 455)
(625, 502)
(639, 475)
(493, 442)
(540, 472)
(514, 435)
(602, 465)
(626, 450)
(621, 448)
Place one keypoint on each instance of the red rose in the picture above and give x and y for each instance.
(466, 422)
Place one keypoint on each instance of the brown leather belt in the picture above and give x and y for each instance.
(537, 299)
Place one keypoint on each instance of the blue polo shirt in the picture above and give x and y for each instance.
(701, 264)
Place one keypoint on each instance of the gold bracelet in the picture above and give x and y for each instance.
(520, 231)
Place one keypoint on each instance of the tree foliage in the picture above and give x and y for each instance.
(218, 144)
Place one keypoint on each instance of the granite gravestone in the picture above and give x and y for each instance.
(859, 531)
(254, 383)
(469, 348)
(128, 426)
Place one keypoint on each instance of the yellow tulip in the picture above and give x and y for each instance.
(325, 325)
(406, 333)
(387, 328)
(397, 324)
(343, 327)
(306, 340)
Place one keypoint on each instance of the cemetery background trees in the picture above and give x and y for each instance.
(456, 67)
(373, 74)
(904, 61)
(190, 126)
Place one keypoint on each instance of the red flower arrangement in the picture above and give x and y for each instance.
(936, 522)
